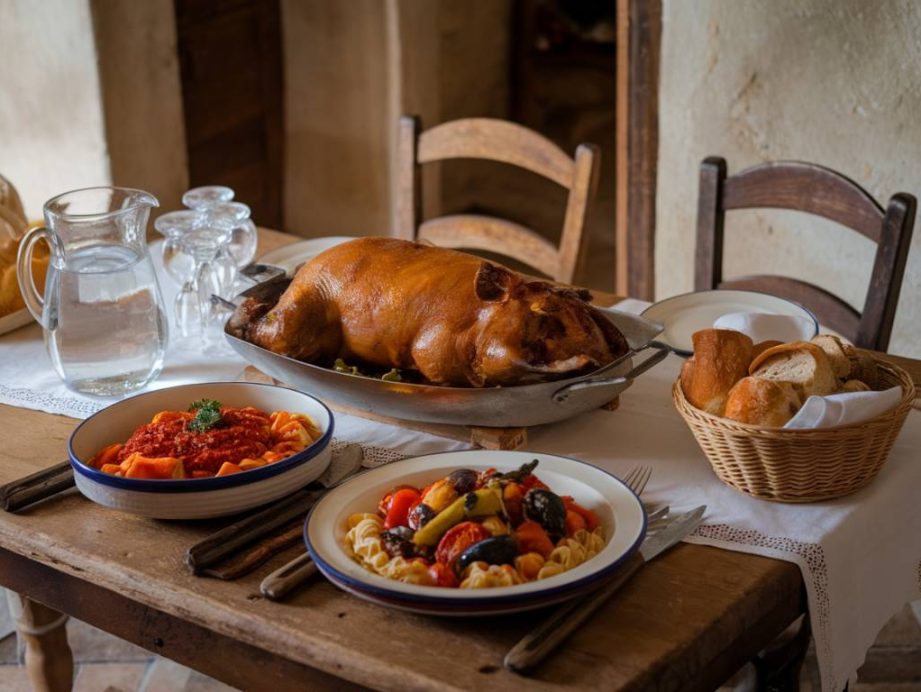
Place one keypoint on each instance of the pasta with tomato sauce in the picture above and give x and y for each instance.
(207, 440)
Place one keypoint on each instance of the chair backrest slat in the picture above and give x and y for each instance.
(506, 142)
(496, 140)
(805, 187)
(820, 191)
(500, 236)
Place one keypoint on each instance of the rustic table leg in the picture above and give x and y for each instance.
(49, 660)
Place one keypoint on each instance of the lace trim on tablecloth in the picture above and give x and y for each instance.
(42, 401)
(811, 559)
(373, 456)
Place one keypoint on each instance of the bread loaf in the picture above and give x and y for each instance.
(721, 358)
(802, 364)
(758, 401)
(834, 349)
(763, 346)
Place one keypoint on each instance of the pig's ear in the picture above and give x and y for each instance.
(493, 284)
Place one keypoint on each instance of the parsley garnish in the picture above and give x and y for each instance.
(208, 415)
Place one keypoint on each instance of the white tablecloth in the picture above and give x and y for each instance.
(860, 555)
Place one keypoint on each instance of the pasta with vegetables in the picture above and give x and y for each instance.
(475, 530)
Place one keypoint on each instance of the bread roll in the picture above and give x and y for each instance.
(762, 402)
(12, 226)
(855, 386)
(802, 364)
(9, 200)
(721, 358)
(834, 349)
(863, 367)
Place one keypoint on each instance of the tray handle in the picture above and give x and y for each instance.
(562, 395)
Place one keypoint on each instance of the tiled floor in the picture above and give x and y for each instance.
(107, 664)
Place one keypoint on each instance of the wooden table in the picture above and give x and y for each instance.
(685, 622)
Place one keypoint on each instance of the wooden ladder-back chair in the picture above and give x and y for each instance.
(497, 140)
(816, 190)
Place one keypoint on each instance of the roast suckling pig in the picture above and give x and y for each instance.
(456, 319)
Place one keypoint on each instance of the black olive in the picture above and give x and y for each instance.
(398, 542)
(548, 510)
(497, 550)
(463, 480)
(420, 515)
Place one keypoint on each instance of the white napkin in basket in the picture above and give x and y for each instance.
(763, 327)
(844, 408)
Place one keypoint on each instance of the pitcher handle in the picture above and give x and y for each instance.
(30, 294)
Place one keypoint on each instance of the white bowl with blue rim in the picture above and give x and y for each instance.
(619, 511)
(197, 498)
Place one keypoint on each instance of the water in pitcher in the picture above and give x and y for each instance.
(106, 332)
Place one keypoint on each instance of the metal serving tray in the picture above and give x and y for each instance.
(525, 405)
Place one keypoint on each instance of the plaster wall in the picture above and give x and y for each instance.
(834, 82)
(52, 135)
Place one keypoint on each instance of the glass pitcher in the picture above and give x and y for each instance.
(102, 312)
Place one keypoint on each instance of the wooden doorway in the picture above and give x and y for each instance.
(230, 59)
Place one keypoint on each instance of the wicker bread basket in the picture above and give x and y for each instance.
(800, 465)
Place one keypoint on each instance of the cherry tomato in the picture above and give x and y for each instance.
(591, 519)
(532, 538)
(384, 505)
(443, 575)
(457, 540)
(398, 511)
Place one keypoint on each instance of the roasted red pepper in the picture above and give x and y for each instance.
(532, 538)
(443, 575)
(532, 481)
(574, 522)
(591, 519)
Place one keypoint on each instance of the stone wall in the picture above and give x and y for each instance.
(834, 82)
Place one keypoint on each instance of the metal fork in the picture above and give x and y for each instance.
(637, 478)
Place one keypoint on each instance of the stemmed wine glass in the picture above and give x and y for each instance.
(243, 237)
(196, 254)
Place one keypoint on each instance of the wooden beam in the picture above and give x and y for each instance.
(639, 28)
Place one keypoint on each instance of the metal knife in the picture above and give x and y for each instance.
(535, 646)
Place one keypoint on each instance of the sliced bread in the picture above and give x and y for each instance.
(834, 349)
(802, 364)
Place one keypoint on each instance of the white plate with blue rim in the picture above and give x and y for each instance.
(619, 510)
(684, 314)
(290, 257)
(197, 498)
